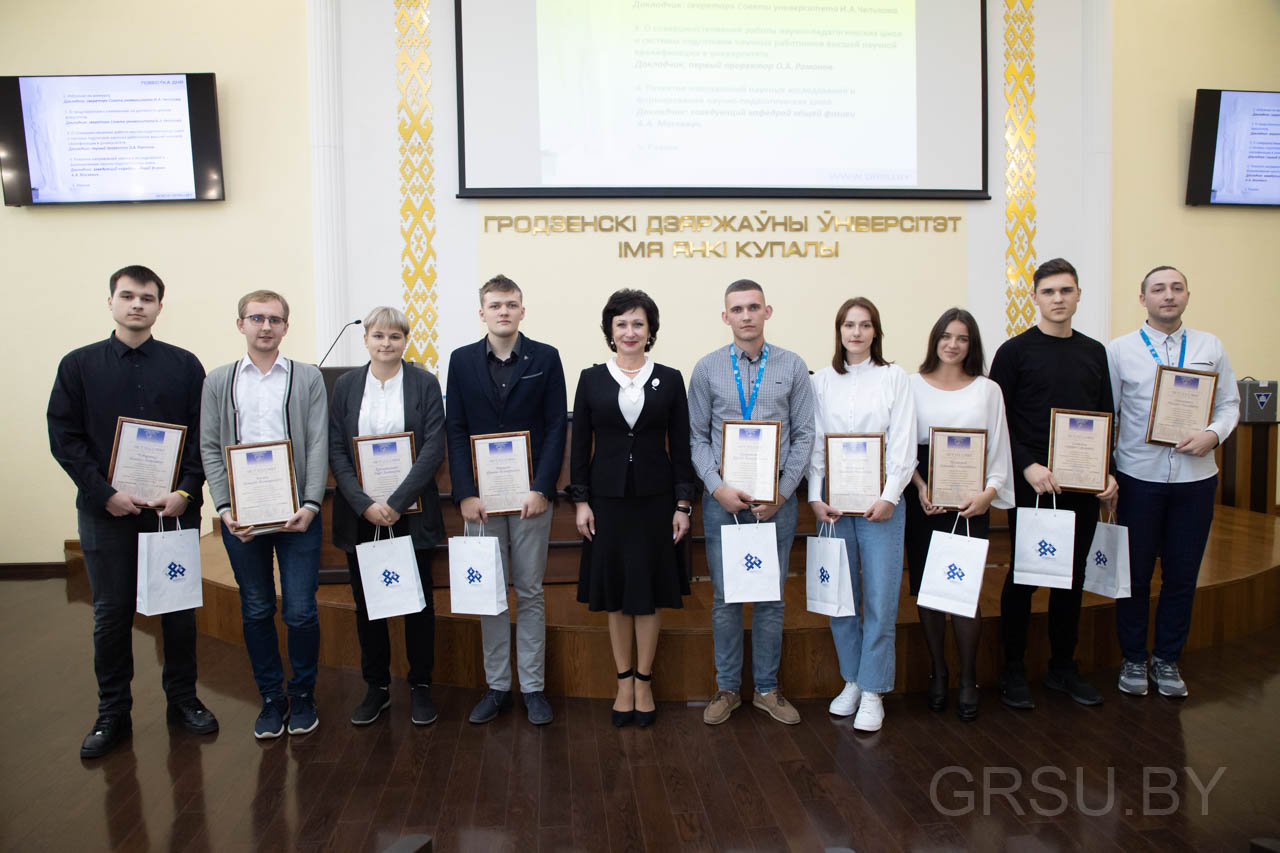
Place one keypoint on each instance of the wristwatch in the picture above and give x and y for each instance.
(687, 510)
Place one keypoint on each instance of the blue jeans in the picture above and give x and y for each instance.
(299, 557)
(864, 643)
(1171, 521)
(726, 619)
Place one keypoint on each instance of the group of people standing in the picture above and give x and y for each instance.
(642, 451)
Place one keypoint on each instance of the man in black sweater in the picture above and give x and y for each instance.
(1049, 366)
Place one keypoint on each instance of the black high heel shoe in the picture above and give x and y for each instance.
(938, 691)
(644, 719)
(621, 718)
(967, 711)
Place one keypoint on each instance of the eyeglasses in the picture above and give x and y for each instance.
(265, 320)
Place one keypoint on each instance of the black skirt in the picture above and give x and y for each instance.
(920, 527)
(632, 565)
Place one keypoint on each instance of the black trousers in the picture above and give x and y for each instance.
(375, 639)
(1064, 604)
(110, 548)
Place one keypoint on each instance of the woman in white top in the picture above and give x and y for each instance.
(862, 393)
(951, 392)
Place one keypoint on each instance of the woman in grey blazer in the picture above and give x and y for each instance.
(389, 395)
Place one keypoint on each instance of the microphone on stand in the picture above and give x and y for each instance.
(335, 340)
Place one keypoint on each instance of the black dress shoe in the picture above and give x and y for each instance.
(644, 719)
(622, 718)
(193, 716)
(938, 691)
(1014, 690)
(967, 702)
(108, 731)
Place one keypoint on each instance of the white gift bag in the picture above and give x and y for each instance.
(169, 571)
(953, 572)
(389, 575)
(1106, 570)
(477, 583)
(1045, 547)
(827, 581)
(749, 559)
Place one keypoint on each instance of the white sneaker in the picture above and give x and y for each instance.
(870, 713)
(847, 702)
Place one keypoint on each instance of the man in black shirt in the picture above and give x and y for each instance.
(129, 374)
(1049, 366)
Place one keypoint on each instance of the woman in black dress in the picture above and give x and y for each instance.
(633, 497)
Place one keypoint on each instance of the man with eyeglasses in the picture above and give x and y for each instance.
(267, 397)
(133, 375)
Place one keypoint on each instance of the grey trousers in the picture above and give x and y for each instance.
(523, 545)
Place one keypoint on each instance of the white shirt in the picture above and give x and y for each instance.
(866, 398)
(1133, 380)
(978, 405)
(630, 391)
(260, 401)
(382, 406)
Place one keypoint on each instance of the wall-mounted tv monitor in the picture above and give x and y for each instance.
(1235, 148)
(110, 138)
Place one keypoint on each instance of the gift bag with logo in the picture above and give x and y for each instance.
(477, 583)
(1106, 571)
(749, 557)
(953, 571)
(827, 582)
(169, 571)
(389, 575)
(1045, 546)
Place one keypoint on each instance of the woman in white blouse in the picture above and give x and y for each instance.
(389, 395)
(950, 391)
(862, 393)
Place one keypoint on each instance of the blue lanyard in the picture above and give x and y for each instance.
(1182, 356)
(748, 408)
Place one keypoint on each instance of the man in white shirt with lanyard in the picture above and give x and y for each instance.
(1166, 493)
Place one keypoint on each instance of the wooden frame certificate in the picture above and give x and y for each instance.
(1181, 404)
(1079, 449)
(957, 465)
(502, 463)
(260, 477)
(855, 470)
(145, 457)
(383, 462)
(749, 453)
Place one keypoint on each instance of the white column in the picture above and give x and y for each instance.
(328, 203)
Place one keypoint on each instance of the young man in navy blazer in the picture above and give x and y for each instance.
(506, 382)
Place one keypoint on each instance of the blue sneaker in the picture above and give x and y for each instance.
(538, 707)
(270, 722)
(490, 705)
(302, 717)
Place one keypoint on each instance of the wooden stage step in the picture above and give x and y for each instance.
(1239, 593)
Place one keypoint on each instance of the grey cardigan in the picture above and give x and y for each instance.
(306, 423)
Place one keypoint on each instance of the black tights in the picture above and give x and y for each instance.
(968, 633)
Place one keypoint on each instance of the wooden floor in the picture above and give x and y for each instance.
(579, 784)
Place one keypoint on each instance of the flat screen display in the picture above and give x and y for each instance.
(110, 138)
(1235, 149)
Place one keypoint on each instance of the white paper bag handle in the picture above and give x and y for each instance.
(464, 528)
(1055, 500)
(1111, 517)
(177, 520)
(955, 523)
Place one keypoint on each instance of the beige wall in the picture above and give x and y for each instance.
(56, 262)
(1164, 51)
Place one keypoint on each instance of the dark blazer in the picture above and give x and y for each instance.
(658, 444)
(424, 417)
(536, 402)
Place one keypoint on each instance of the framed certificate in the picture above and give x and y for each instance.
(382, 463)
(145, 457)
(1079, 448)
(855, 470)
(502, 463)
(1181, 404)
(749, 452)
(957, 465)
(260, 477)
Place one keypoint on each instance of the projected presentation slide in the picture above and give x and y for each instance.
(108, 138)
(1246, 166)
(723, 94)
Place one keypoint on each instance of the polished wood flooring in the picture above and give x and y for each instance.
(924, 782)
